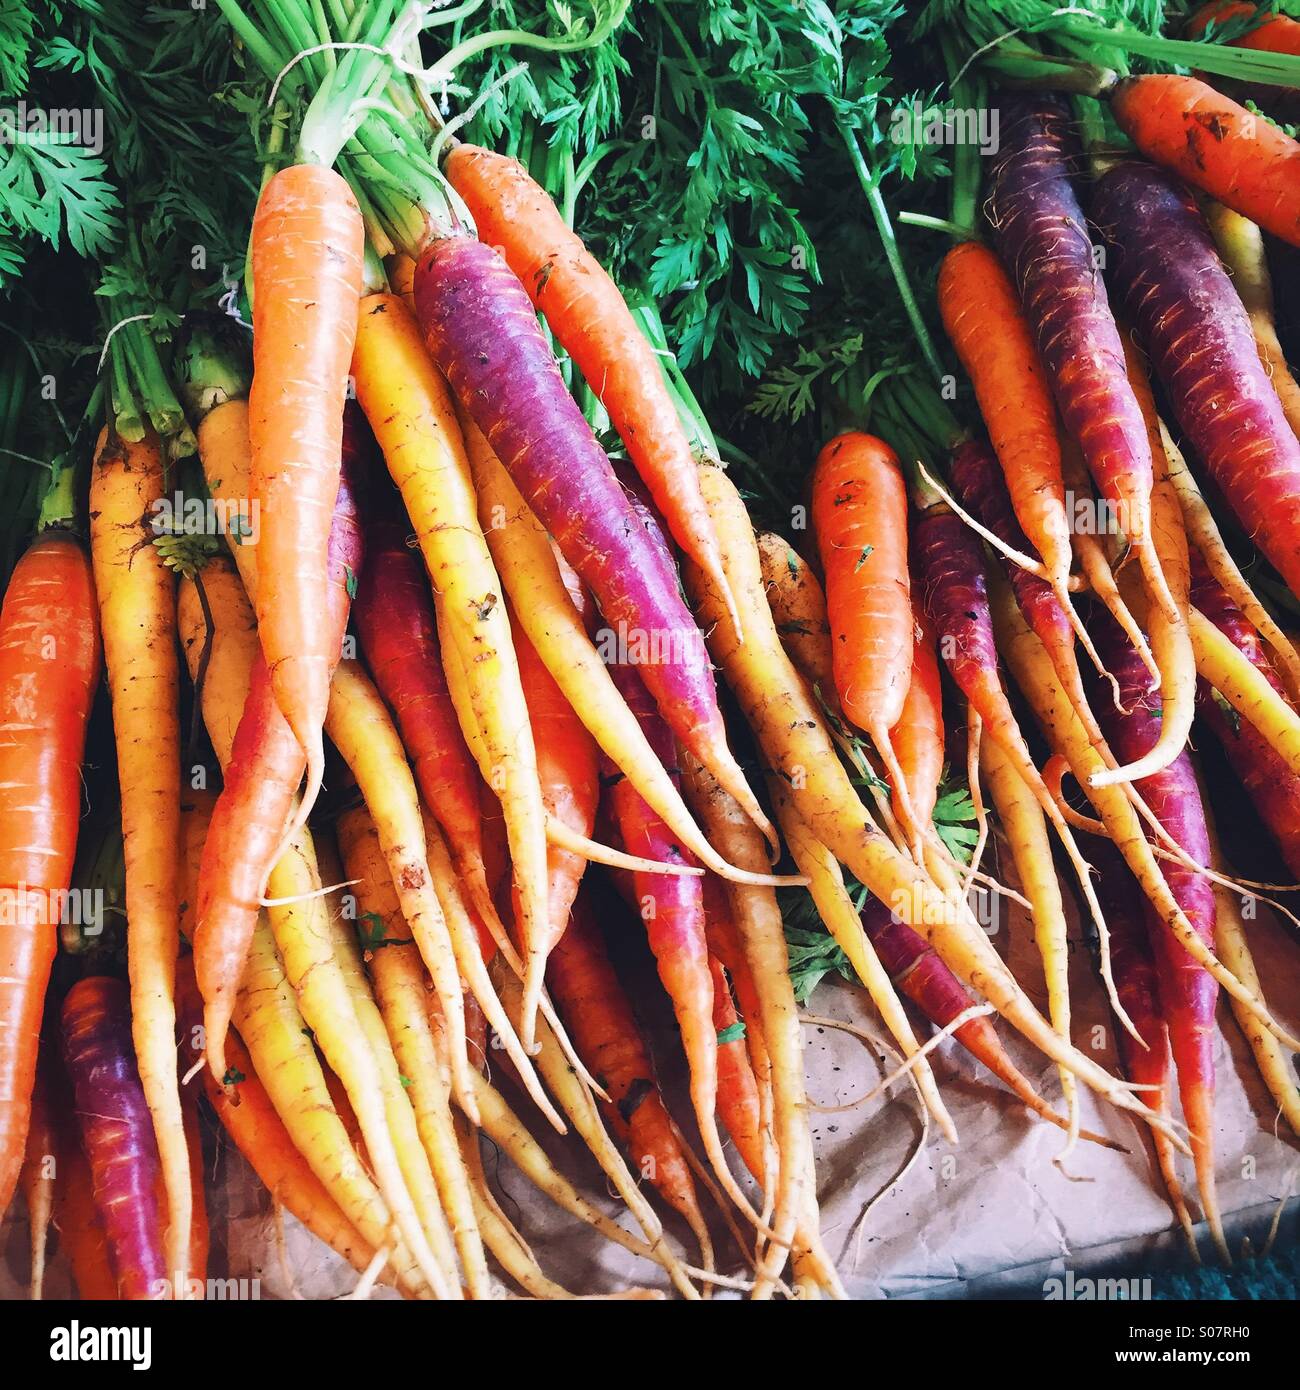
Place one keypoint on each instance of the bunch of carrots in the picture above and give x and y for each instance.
(487, 709)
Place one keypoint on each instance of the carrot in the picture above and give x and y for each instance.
(549, 616)
(672, 912)
(49, 666)
(798, 748)
(588, 315)
(1033, 670)
(1274, 33)
(411, 410)
(799, 610)
(266, 1010)
(1222, 148)
(248, 1116)
(401, 990)
(1241, 244)
(984, 492)
(360, 727)
(1210, 552)
(918, 971)
(39, 1176)
(917, 737)
(1273, 787)
(757, 918)
(481, 330)
(579, 1105)
(842, 921)
(1171, 643)
(1199, 339)
(1025, 828)
(859, 515)
(81, 1232)
(567, 769)
(256, 805)
(1146, 1058)
(1234, 949)
(1246, 688)
(306, 258)
(137, 608)
(1043, 237)
(983, 318)
(722, 936)
(116, 1132)
(401, 1102)
(599, 1015)
(738, 1100)
(508, 1133)
(950, 569)
(398, 634)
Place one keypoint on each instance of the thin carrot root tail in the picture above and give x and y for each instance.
(1160, 592)
(217, 1014)
(1053, 774)
(534, 982)
(898, 783)
(1166, 1162)
(563, 837)
(1063, 597)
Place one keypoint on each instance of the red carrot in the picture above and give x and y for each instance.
(599, 1017)
(49, 666)
(916, 969)
(672, 909)
(116, 1132)
(399, 640)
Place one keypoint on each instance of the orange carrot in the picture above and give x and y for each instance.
(981, 312)
(738, 1103)
(306, 255)
(599, 1016)
(917, 737)
(1218, 146)
(81, 1232)
(859, 515)
(49, 665)
(588, 315)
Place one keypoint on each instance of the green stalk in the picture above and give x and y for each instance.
(871, 188)
(59, 505)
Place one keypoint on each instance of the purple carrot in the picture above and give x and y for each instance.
(1134, 971)
(981, 489)
(483, 333)
(1198, 335)
(916, 969)
(116, 1131)
(1043, 237)
(1188, 992)
(1273, 788)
